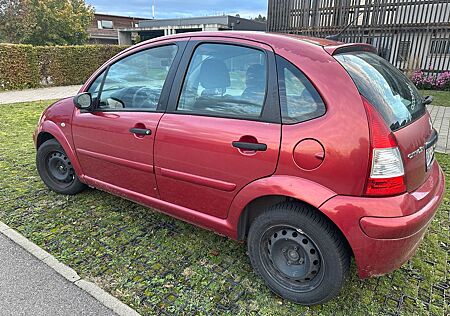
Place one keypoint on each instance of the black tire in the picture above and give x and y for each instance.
(299, 253)
(56, 170)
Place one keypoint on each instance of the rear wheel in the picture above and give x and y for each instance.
(56, 170)
(298, 253)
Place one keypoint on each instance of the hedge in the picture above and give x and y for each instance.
(26, 66)
(19, 67)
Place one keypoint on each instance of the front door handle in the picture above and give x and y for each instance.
(140, 131)
(250, 146)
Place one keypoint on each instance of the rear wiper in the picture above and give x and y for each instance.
(427, 100)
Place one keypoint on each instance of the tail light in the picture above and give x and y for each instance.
(387, 175)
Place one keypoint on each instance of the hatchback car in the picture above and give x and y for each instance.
(311, 150)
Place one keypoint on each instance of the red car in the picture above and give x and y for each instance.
(312, 150)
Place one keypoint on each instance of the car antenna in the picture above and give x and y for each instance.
(335, 37)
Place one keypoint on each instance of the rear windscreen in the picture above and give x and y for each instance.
(385, 87)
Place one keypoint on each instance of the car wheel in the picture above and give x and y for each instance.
(56, 170)
(299, 253)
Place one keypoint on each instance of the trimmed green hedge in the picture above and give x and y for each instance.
(19, 67)
(26, 66)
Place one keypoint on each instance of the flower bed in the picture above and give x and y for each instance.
(430, 81)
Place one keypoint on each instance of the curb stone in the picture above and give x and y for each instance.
(68, 273)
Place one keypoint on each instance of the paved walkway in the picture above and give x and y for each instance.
(440, 115)
(30, 287)
(38, 94)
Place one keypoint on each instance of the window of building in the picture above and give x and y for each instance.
(439, 46)
(105, 24)
(403, 50)
(226, 81)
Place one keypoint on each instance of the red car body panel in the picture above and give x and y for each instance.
(395, 224)
(213, 189)
(409, 139)
(99, 139)
(51, 121)
(198, 168)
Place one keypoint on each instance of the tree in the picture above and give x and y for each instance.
(13, 23)
(260, 18)
(45, 22)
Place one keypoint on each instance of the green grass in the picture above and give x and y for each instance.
(441, 98)
(158, 264)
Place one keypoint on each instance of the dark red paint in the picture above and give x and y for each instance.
(189, 169)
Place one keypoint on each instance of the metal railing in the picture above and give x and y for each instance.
(411, 34)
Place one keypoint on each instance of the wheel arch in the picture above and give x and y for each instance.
(42, 138)
(49, 130)
(260, 204)
(259, 195)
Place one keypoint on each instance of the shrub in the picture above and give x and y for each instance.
(26, 66)
(18, 67)
(443, 81)
(66, 65)
(430, 81)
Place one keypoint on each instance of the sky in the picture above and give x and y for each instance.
(180, 8)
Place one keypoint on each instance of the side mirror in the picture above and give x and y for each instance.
(428, 99)
(83, 100)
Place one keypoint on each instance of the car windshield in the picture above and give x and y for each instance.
(385, 87)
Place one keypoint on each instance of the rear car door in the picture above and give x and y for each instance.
(114, 141)
(221, 130)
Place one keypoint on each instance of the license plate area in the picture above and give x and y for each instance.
(430, 147)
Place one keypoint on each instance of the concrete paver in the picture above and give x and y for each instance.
(440, 117)
(38, 94)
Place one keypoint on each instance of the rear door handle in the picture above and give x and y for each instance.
(250, 146)
(140, 131)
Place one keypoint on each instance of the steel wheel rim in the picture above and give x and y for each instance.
(59, 168)
(291, 258)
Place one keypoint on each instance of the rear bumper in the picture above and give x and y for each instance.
(385, 232)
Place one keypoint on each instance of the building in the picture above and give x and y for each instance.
(104, 27)
(411, 34)
(154, 28)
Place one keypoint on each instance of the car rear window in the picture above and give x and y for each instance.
(385, 87)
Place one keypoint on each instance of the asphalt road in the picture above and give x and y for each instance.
(29, 287)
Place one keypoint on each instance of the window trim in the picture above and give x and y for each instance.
(270, 112)
(280, 76)
(163, 98)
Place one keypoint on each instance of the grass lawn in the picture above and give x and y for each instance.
(157, 264)
(441, 98)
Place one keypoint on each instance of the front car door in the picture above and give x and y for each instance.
(221, 130)
(114, 141)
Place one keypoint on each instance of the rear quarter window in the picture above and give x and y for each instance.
(299, 100)
(385, 87)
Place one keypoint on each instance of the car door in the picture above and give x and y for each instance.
(221, 130)
(114, 141)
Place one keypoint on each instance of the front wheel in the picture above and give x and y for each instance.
(56, 170)
(299, 253)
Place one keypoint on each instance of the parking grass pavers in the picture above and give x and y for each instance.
(159, 265)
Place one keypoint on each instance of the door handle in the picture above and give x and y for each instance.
(250, 146)
(140, 131)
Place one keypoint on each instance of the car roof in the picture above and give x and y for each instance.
(271, 39)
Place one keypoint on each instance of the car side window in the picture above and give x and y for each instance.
(135, 82)
(95, 86)
(299, 100)
(226, 81)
